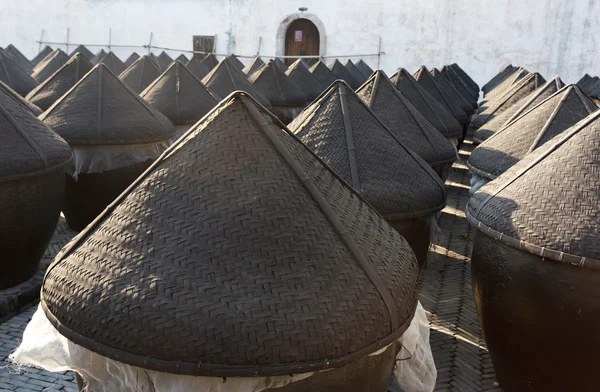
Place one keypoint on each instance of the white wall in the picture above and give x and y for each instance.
(549, 36)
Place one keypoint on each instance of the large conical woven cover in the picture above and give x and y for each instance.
(465, 77)
(14, 76)
(499, 77)
(424, 78)
(19, 58)
(405, 121)
(27, 146)
(460, 85)
(548, 203)
(41, 55)
(131, 59)
(496, 122)
(100, 109)
(49, 65)
(140, 74)
(225, 79)
(437, 114)
(450, 92)
(164, 60)
(530, 131)
(85, 52)
(341, 72)
(98, 57)
(237, 253)
(179, 95)
(518, 91)
(235, 61)
(322, 73)
(112, 62)
(358, 76)
(32, 108)
(351, 140)
(364, 68)
(254, 65)
(504, 85)
(198, 67)
(277, 87)
(299, 74)
(54, 87)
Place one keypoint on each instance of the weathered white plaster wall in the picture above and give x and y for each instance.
(550, 36)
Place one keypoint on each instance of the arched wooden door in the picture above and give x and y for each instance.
(301, 39)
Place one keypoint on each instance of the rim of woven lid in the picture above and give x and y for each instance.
(103, 68)
(377, 76)
(219, 370)
(394, 216)
(528, 247)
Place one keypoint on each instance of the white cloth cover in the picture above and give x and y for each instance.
(100, 158)
(44, 347)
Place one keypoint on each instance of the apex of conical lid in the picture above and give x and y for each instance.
(19, 57)
(28, 147)
(495, 123)
(341, 72)
(277, 87)
(254, 65)
(41, 55)
(449, 91)
(140, 74)
(426, 80)
(225, 79)
(236, 62)
(323, 73)
(49, 65)
(112, 62)
(364, 68)
(131, 59)
(530, 131)
(465, 76)
(183, 59)
(405, 121)
(85, 52)
(300, 75)
(198, 67)
(280, 64)
(360, 78)
(221, 196)
(505, 84)
(500, 76)
(562, 179)
(179, 95)
(61, 81)
(164, 60)
(437, 114)
(14, 76)
(517, 91)
(351, 139)
(98, 57)
(100, 109)
(211, 61)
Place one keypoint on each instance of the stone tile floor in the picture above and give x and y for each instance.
(462, 360)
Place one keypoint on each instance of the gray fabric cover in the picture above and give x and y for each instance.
(392, 178)
(437, 114)
(405, 121)
(530, 131)
(100, 109)
(179, 95)
(140, 74)
(54, 87)
(225, 79)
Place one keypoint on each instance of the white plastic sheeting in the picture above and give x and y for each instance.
(100, 158)
(44, 347)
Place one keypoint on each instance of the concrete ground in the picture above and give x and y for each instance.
(462, 360)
